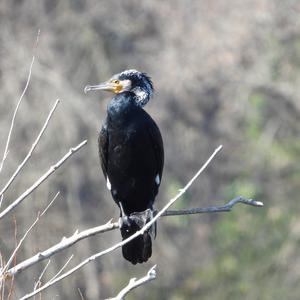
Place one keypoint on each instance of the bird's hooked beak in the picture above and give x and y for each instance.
(110, 86)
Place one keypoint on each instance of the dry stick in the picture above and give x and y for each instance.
(63, 267)
(120, 244)
(25, 235)
(78, 236)
(41, 179)
(2, 280)
(64, 244)
(39, 281)
(18, 104)
(213, 209)
(133, 283)
(2, 288)
(81, 296)
(12, 178)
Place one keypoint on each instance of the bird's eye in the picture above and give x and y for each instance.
(116, 81)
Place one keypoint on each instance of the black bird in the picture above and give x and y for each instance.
(132, 157)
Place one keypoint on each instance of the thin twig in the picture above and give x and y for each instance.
(80, 294)
(15, 174)
(63, 267)
(2, 279)
(62, 245)
(19, 245)
(133, 283)
(39, 281)
(14, 259)
(25, 235)
(120, 244)
(78, 236)
(41, 179)
(18, 104)
(213, 209)
(50, 203)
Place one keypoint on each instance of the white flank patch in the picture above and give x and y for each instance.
(108, 183)
(157, 179)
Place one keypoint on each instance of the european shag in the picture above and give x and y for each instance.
(132, 157)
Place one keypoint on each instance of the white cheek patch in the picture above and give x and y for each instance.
(126, 84)
(108, 185)
(157, 179)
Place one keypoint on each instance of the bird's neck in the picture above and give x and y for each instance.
(122, 107)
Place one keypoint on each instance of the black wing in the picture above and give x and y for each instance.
(158, 146)
(103, 147)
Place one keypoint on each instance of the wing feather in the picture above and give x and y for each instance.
(103, 148)
(158, 147)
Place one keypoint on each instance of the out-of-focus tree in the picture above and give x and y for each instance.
(225, 73)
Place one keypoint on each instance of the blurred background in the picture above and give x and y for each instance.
(225, 72)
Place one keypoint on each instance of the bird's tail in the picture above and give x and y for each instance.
(138, 250)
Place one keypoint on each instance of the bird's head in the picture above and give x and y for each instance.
(133, 81)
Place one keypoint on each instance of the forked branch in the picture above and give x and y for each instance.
(133, 283)
(67, 242)
(120, 244)
(213, 209)
(33, 146)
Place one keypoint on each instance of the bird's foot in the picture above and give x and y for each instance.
(124, 220)
(143, 217)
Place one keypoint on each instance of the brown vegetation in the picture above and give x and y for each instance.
(225, 72)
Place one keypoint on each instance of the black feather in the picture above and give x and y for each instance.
(132, 155)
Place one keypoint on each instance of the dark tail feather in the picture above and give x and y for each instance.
(139, 249)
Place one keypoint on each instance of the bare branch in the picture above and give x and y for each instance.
(12, 178)
(18, 104)
(39, 281)
(63, 267)
(64, 244)
(133, 283)
(78, 236)
(2, 280)
(80, 293)
(19, 245)
(67, 242)
(51, 170)
(213, 209)
(25, 235)
(120, 244)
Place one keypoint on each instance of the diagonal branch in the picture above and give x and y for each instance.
(18, 104)
(62, 245)
(120, 244)
(51, 170)
(133, 283)
(39, 281)
(25, 235)
(18, 170)
(78, 236)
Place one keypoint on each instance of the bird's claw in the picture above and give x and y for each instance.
(124, 220)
